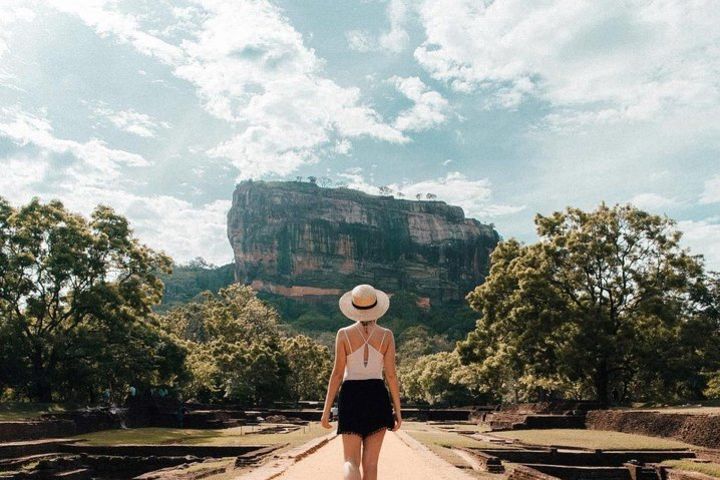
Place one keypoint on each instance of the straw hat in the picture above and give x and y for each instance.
(364, 303)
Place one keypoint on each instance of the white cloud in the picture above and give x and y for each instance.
(429, 109)
(343, 147)
(652, 201)
(130, 121)
(596, 61)
(251, 68)
(13, 12)
(360, 41)
(711, 194)
(161, 221)
(96, 157)
(354, 179)
(125, 27)
(395, 40)
(703, 236)
(474, 196)
(22, 176)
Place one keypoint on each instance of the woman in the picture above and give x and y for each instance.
(362, 351)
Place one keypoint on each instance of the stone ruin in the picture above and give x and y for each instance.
(544, 415)
(521, 461)
(39, 448)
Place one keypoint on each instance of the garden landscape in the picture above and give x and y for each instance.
(568, 355)
(509, 208)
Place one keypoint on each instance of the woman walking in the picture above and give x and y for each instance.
(362, 352)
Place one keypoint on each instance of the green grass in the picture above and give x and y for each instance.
(591, 439)
(712, 469)
(231, 436)
(24, 411)
(430, 435)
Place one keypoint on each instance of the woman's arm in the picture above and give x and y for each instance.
(335, 380)
(392, 380)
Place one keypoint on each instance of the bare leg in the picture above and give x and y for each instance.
(351, 454)
(370, 455)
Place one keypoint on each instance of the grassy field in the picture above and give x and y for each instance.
(429, 435)
(23, 411)
(712, 469)
(246, 435)
(591, 439)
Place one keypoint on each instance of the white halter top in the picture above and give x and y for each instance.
(355, 366)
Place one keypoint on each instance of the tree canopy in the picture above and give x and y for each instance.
(75, 294)
(607, 304)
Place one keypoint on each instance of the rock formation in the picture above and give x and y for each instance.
(300, 240)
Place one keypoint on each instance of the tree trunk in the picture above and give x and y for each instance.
(40, 388)
(601, 382)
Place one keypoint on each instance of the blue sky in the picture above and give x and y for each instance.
(507, 108)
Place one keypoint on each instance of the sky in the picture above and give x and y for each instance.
(507, 108)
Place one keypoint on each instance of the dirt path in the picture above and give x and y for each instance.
(398, 461)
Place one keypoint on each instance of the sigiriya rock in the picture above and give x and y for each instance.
(298, 239)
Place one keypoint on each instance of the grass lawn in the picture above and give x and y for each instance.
(23, 411)
(431, 435)
(591, 439)
(231, 436)
(712, 469)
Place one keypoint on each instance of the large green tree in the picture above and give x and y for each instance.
(606, 304)
(74, 294)
(235, 344)
(432, 379)
(310, 364)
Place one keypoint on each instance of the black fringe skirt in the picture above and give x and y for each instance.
(364, 407)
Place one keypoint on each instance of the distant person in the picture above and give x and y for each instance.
(362, 351)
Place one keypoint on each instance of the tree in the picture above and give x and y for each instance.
(324, 182)
(418, 196)
(430, 379)
(586, 309)
(235, 347)
(312, 179)
(61, 274)
(385, 190)
(309, 364)
(430, 196)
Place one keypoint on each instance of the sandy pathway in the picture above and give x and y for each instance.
(398, 461)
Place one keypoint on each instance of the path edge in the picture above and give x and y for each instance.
(433, 457)
(280, 463)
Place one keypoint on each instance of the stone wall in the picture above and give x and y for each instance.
(16, 431)
(578, 458)
(565, 472)
(702, 430)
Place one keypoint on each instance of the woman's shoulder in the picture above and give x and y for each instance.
(385, 330)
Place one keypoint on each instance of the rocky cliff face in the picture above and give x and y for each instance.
(299, 240)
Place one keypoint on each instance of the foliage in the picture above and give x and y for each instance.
(75, 295)
(430, 379)
(310, 364)
(585, 311)
(235, 347)
(238, 352)
(712, 390)
(187, 282)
